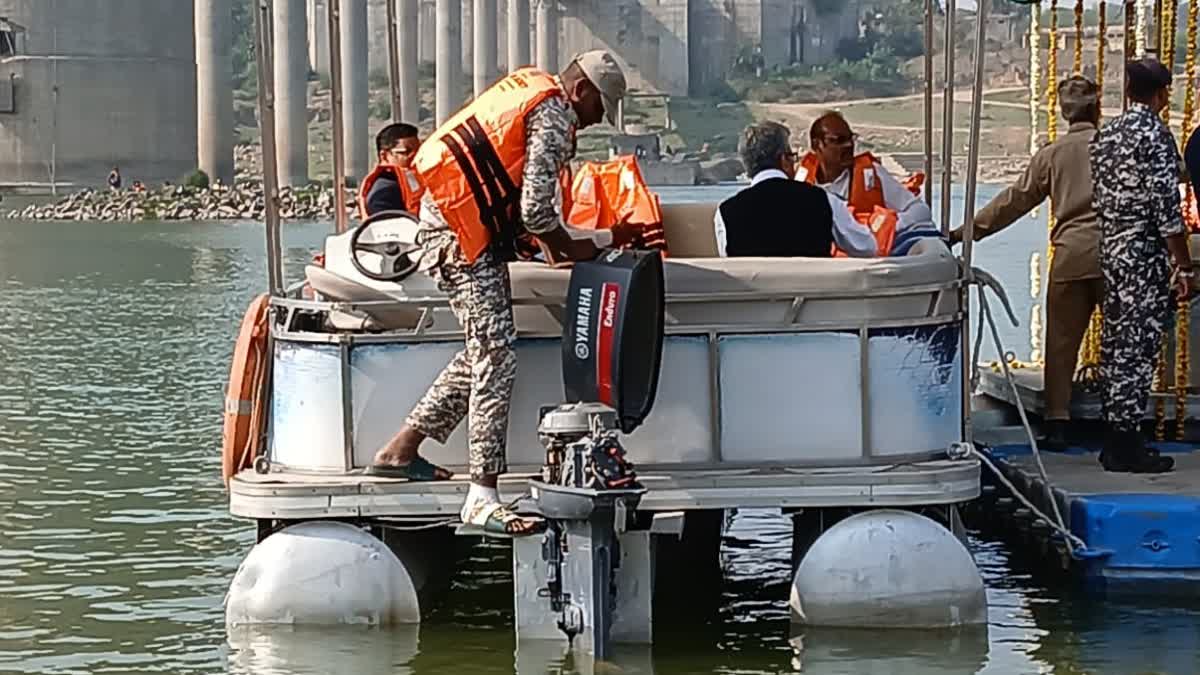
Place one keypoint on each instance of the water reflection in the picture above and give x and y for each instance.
(898, 652)
(292, 650)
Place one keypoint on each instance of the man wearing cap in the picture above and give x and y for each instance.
(1060, 171)
(491, 174)
(1135, 174)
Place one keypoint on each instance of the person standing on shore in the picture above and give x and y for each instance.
(1135, 170)
(1060, 171)
(114, 179)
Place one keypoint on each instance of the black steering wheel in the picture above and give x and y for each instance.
(395, 252)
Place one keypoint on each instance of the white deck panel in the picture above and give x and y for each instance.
(291, 495)
(1081, 474)
(1084, 405)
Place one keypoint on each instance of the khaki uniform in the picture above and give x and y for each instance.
(1061, 172)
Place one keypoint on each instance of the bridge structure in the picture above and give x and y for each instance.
(304, 29)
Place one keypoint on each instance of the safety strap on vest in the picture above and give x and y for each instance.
(496, 197)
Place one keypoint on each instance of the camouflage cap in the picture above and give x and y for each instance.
(602, 70)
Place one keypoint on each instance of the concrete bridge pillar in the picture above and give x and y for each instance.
(547, 35)
(354, 87)
(486, 65)
(214, 88)
(318, 36)
(518, 34)
(291, 91)
(408, 13)
(467, 17)
(449, 64)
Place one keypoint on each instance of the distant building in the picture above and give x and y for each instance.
(88, 85)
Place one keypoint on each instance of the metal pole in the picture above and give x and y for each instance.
(54, 123)
(1130, 48)
(266, 121)
(969, 208)
(929, 107)
(393, 47)
(976, 132)
(948, 118)
(338, 118)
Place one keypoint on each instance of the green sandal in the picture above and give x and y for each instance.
(419, 469)
(500, 521)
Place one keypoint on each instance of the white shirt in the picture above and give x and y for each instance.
(911, 211)
(850, 236)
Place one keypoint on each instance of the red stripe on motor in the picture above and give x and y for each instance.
(610, 296)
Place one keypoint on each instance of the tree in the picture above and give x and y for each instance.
(245, 73)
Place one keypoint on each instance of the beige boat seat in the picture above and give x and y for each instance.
(337, 288)
(704, 291)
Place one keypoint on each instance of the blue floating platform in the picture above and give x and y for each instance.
(1142, 530)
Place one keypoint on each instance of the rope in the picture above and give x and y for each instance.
(1051, 136)
(1183, 365)
(1101, 48)
(1139, 32)
(1078, 547)
(1035, 77)
(1089, 353)
(1077, 65)
(1166, 45)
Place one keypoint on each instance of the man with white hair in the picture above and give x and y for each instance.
(780, 217)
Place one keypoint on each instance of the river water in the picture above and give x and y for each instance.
(116, 547)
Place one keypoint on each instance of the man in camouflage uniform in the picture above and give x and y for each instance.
(1135, 170)
(478, 381)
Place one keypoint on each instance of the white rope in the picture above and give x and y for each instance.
(1057, 523)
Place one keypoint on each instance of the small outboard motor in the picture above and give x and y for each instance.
(613, 335)
(612, 352)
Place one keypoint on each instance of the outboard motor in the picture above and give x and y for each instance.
(612, 352)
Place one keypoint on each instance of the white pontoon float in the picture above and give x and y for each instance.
(810, 385)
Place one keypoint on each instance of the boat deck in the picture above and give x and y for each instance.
(1140, 530)
(283, 495)
(1084, 405)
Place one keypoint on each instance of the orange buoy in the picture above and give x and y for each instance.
(245, 399)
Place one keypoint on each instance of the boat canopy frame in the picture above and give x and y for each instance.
(276, 274)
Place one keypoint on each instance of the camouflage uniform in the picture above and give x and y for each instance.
(478, 381)
(1135, 171)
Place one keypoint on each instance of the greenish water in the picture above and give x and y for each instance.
(116, 547)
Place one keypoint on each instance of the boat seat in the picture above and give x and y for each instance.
(335, 287)
(689, 230)
(704, 290)
(758, 292)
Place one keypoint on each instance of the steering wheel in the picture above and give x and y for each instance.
(390, 235)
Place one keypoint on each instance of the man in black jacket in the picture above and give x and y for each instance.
(778, 216)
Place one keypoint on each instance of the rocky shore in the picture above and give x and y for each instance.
(243, 201)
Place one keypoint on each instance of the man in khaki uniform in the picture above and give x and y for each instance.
(1061, 172)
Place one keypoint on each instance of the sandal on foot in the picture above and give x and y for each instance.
(497, 519)
(419, 469)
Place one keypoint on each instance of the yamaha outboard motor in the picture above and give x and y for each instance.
(612, 352)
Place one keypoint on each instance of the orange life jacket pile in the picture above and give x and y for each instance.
(606, 193)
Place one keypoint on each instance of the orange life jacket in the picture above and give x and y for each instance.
(606, 193)
(866, 199)
(410, 187)
(472, 165)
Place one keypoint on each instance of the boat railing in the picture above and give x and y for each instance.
(936, 311)
(803, 375)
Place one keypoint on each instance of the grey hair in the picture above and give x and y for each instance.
(762, 145)
(1079, 99)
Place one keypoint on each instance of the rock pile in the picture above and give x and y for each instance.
(243, 201)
